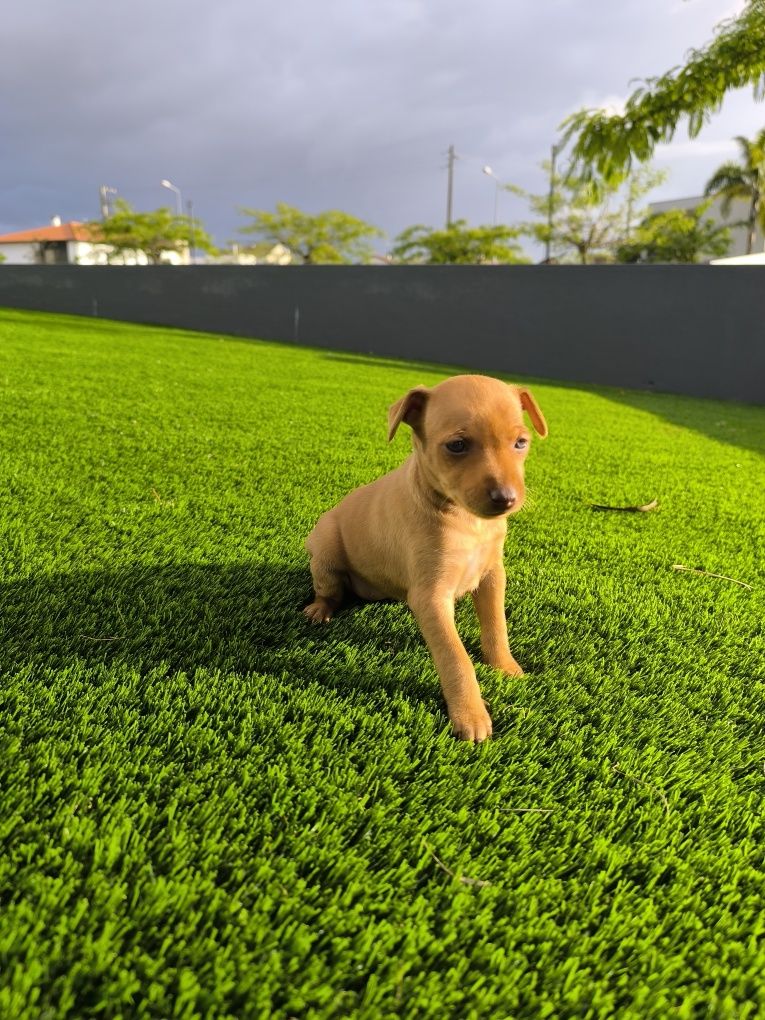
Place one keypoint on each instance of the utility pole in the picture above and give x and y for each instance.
(450, 185)
(103, 195)
(551, 196)
(192, 237)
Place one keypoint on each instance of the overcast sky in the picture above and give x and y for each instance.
(348, 104)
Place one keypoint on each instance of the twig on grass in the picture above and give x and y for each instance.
(89, 637)
(529, 810)
(708, 573)
(644, 508)
(158, 499)
(637, 779)
(445, 867)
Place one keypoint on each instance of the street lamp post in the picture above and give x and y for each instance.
(178, 199)
(497, 185)
(178, 206)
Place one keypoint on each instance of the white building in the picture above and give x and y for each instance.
(757, 259)
(738, 214)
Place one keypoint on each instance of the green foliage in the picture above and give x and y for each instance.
(458, 244)
(327, 237)
(744, 180)
(154, 232)
(677, 235)
(582, 218)
(606, 144)
(212, 810)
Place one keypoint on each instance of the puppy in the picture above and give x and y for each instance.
(433, 529)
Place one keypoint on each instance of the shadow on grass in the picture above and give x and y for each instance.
(740, 425)
(373, 361)
(236, 619)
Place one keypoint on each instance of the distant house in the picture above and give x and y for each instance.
(71, 243)
(58, 243)
(264, 253)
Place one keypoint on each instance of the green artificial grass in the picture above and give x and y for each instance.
(210, 809)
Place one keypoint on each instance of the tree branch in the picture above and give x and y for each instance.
(607, 144)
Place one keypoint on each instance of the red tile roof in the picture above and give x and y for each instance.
(71, 231)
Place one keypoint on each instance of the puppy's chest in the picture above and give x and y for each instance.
(471, 564)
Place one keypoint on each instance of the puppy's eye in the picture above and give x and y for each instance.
(457, 446)
(521, 443)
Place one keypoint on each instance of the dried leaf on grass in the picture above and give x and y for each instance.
(445, 867)
(627, 509)
(708, 573)
(642, 782)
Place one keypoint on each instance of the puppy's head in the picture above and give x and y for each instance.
(471, 440)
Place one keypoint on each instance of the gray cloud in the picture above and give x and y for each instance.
(344, 104)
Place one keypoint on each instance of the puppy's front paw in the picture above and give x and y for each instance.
(509, 666)
(320, 611)
(472, 724)
(502, 659)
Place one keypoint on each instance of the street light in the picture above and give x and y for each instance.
(178, 200)
(497, 185)
(179, 211)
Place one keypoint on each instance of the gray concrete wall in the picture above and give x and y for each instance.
(698, 330)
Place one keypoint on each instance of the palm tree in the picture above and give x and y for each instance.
(743, 180)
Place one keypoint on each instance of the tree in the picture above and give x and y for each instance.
(457, 244)
(677, 235)
(154, 232)
(607, 143)
(327, 237)
(743, 180)
(584, 219)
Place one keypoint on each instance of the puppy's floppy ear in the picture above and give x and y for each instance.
(531, 407)
(408, 409)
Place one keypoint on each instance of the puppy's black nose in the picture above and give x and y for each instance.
(502, 498)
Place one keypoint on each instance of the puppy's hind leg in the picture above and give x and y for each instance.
(327, 570)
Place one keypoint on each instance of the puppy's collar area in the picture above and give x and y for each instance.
(434, 499)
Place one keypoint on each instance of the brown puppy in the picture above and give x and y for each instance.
(434, 529)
